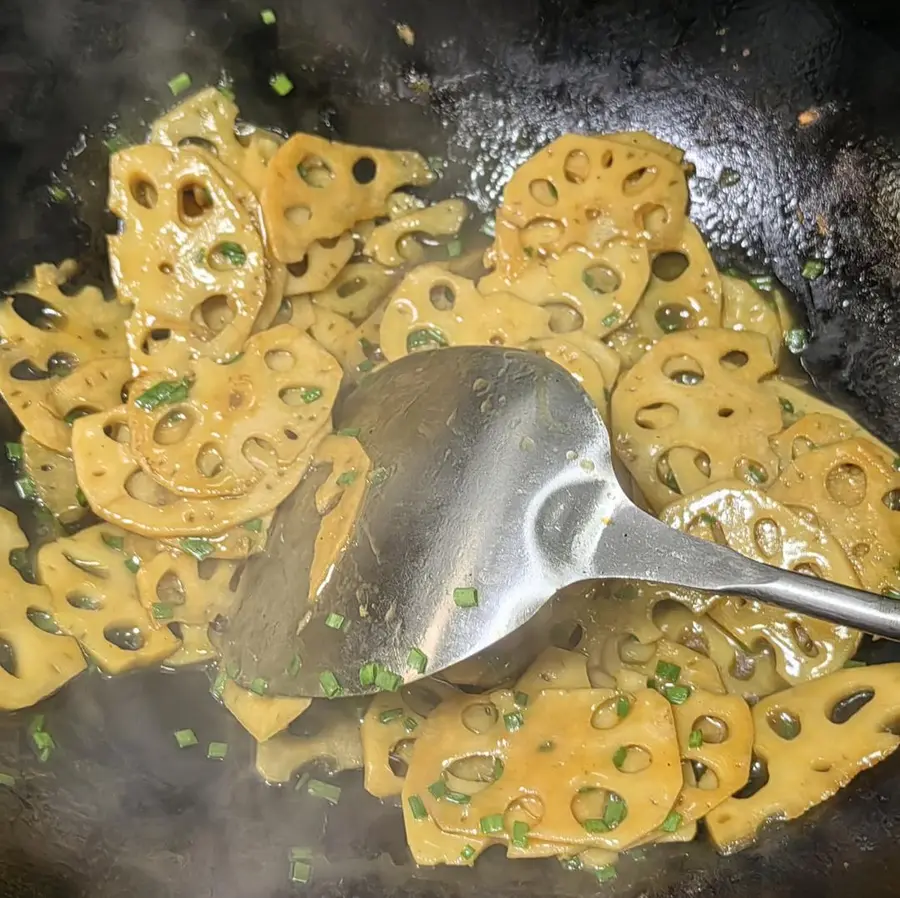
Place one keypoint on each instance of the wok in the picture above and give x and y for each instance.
(118, 810)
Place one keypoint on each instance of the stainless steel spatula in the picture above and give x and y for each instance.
(499, 491)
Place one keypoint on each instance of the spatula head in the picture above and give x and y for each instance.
(493, 458)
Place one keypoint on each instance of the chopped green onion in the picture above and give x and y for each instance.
(367, 674)
(326, 791)
(615, 811)
(417, 660)
(347, 478)
(233, 253)
(677, 695)
(708, 519)
(438, 788)
(57, 194)
(668, 672)
(14, 451)
(348, 432)
(335, 621)
(547, 746)
(695, 740)
(301, 854)
(133, 564)
(424, 338)
(588, 279)
(310, 394)
(457, 797)
(44, 745)
(605, 873)
(672, 822)
(259, 685)
(465, 596)
(814, 268)
(114, 542)
(330, 684)
(254, 526)
(217, 751)
(786, 405)
(387, 680)
(185, 738)
(610, 319)
(179, 84)
(409, 724)
(571, 864)
(493, 823)
(454, 248)
(623, 706)
(756, 474)
(302, 780)
(619, 757)
(521, 699)
(197, 547)
(897, 464)
(763, 282)
(890, 592)
(467, 853)
(233, 670)
(165, 392)
(80, 497)
(301, 871)
(74, 415)
(520, 834)
(365, 366)
(390, 715)
(162, 611)
(26, 488)
(8, 780)
(281, 84)
(853, 662)
(267, 16)
(218, 686)
(378, 476)
(513, 721)
(594, 825)
(796, 340)
(294, 667)
(498, 769)
(115, 142)
(417, 806)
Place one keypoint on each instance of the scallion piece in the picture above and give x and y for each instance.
(197, 547)
(520, 834)
(7, 780)
(218, 686)
(896, 464)
(595, 825)
(26, 488)
(57, 194)
(259, 686)
(217, 751)
(677, 695)
(347, 478)
(409, 724)
(571, 863)
(162, 611)
(425, 338)
(672, 822)
(853, 662)
(76, 413)
(708, 519)
(465, 596)
(302, 780)
(80, 497)
(378, 476)
(348, 432)
(326, 791)
(281, 84)
(232, 252)
(310, 394)
(605, 873)
(390, 715)
(814, 268)
(387, 681)
(467, 853)
(491, 824)
(417, 660)
(498, 769)
(521, 699)
(365, 366)
(623, 706)
(457, 797)
(42, 741)
(367, 674)
(133, 564)
(619, 756)
(438, 789)
(164, 393)
(756, 474)
(114, 542)
(762, 282)
(610, 319)
(615, 812)
(695, 740)
(267, 16)
(14, 451)
(417, 806)
(454, 249)
(668, 672)
(294, 667)
(180, 83)
(513, 721)
(796, 340)
(786, 405)
(335, 621)
(301, 872)
(186, 738)
(330, 684)
(254, 526)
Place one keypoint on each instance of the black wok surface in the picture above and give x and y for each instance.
(119, 810)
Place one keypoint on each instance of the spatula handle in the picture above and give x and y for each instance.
(640, 547)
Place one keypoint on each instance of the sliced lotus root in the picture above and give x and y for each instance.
(429, 845)
(432, 307)
(240, 542)
(356, 291)
(338, 744)
(194, 647)
(691, 412)
(389, 731)
(190, 258)
(53, 475)
(629, 343)
(37, 658)
(320, 266)
(812, 431)
(232, 423)
(853, 491)
(750, 674)
(316, 189)
(760, 527)
(550, 765)
(262, 716)
(684, 291)
(554, 668)
(588, 191)
(645, 141)
(589, 290)
(46, 335)
(117, 490)
(95, 599)
(92, 387)
(810, 741)
(394, 244)
(358, 349)
(175, 589)
(746, 309)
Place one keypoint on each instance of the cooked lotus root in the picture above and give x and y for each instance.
(95, 599)
(263, 411)
(356, 291)
(432, 307)
(758, 526)
(554, 668)
(238, 543)
(323, 261)
(593, 291)
(190, 258)
(394, 244)
(811, 740)
(67, 332)
(853, 491)
(645, 141)
(54, 479)
(262, 716)
(746, 309)
(119, 491)
(813, 431)
(691, 412)
(92, 387)
(588, 191)
(356, 348)
(194, 647)
(38, 660)
(389, 730)
(316, 189)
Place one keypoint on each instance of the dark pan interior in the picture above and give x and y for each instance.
(119, 811)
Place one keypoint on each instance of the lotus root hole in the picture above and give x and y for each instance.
(364, 170)
(528, 809)
(124, 637)
(209, 461)
(165, 268)
(294, 396)
(543, 192)
(84, 601)
(759, 777)
(442, 297)
(632, 651)
(480, 717)
(564, 319)
(602, 279)
(472, 774)
(144, 488)
(666, 475)
(673, 317)
(260, 453)
(639, 180)
(118, 433)
(144, 192)
(280, 359)
(593, 804)
(61, 364)
(213, 315)
(820, 766)
(636, 759)
(734, 359)
(892, 500)
(297, 215)
(850, 705)
(656, 416)
(7, 658)
(707, 779)
(193, 202)
(399, 756)
(714, 729)
(173, 427)
(725, 412)
(27, 370)
(670, 266)
(605, 715)
(420, 698)
(652, 218)
(566, 635)
(169, 589)
(577, 167)
(542, 232)
(315, 171)
(803, 640)
(354, 285)
(767, 535)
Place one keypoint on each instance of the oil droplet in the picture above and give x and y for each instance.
(587, 465)
(571, 455)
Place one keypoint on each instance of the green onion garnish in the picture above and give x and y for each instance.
(133, 564)
(301, 854)
(14, 451)
(668, 672)
(114, 542)
(326, 791)
(378, 476)
(330, 684)
(594, 825)
(454, 248)
(233, 253)
(197, 547)
(695, 740)
(58, 194)
(310, 394)
(367, 674)
(281, 84)
(465, 596)
(786, 405)
(365, 366)
(493, 823)
(610, 319)
(390, 715)
(8, 780)
(677, 695)
(76, 413)
(387, 680)
(467, 853)
(618, 758)
(301, 871)
(623, 706)
(513, 721)
(185, 738)
(217, 751)
(571, 863)
(814, 268)
(180, 83)
(756, 474)
(672, 822)
(425, 338)
(218, 686)
(26, 488)
(335, 621)
(457, 797)
(294, 667)
(438, 788)
(80, 497)
(762, 282)
(347, 478)
(606, 873)
(162, 611)
(615, 811)
(417, 806)
(521, 699)
(254, 526)
(853, 662)
(520, 834)
(165, 392)
(498, 769)
(302, 780)
(588, 279)
(348, 432)
(706, 518)
(267, 16)
(417, 660)
(796, 340)
(897, 464)
(259, 685)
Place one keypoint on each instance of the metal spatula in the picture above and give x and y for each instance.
(498, 490)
